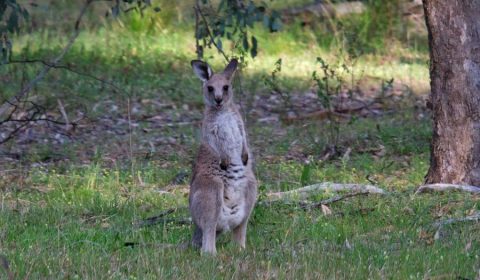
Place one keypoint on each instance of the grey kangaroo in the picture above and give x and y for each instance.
(223, 189)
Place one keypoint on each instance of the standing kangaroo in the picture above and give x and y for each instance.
(223, 189)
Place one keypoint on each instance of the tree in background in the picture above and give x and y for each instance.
(454, 38)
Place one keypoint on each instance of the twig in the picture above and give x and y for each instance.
(475, 217)
(324, 187)
(197, 24)
(64, 114)
(150, 245)
(65, 67)
(212, 38)
(470, 218)
(38, 120)
(32, 115)
(160, 219)
(332, 200)
(7, 105)
(447, 187)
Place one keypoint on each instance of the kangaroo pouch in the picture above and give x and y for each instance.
(234, 207)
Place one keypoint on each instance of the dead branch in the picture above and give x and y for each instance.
(5, 107)
(332, 200)
(69, 69)
(64, 114)
(152, 245)
(304, 192)
(161, 219)
(33, 114)
(447, 187)
(155, 219)
(475, 217)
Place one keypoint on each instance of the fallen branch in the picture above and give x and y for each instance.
(447, 187)
(32, 114)
(475, 217)
(304, 192)
(152, 245)
(332, 200)
(161, 219)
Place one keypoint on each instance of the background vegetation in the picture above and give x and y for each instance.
(73, 194)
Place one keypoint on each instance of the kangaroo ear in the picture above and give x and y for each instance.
(230, 69)
(202, 70)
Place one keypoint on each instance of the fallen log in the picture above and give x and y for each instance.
(439, 234)
(304, 192)
(447, 187)
(332, 200)
(475, 217)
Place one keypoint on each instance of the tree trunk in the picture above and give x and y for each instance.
(454, 38)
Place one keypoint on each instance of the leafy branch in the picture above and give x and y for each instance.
(232, 19)
(19, 96)
(33, 112)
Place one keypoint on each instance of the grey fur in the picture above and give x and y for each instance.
(223, 189)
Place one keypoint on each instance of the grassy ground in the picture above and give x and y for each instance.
(69, 208)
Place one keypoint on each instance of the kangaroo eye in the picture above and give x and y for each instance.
(210, 89)
(225, 88)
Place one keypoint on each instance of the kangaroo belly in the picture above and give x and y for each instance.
(233, 211)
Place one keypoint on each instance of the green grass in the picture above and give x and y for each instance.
(73, 221)
(66, 211)
(74, 224)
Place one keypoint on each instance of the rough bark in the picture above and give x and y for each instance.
(454, 38)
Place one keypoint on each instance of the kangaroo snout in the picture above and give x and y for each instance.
(218, 100)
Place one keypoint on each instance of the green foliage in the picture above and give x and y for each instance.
(382, 24)
(11, 13)
(273, 82)
(232, 20)
(6, 48)
(80, 223)
(132, 5)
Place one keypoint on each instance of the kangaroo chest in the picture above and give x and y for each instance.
(224, 134)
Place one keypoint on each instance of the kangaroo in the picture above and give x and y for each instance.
(223, 189)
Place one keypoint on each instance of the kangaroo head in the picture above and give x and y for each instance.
(217, 88)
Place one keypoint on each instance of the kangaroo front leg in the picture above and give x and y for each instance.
(240, 234)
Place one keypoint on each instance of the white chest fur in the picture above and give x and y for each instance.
(225, 135)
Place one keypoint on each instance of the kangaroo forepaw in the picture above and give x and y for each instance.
(245, 158)
(224, 163)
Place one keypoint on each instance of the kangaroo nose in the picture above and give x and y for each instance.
(218, 100)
